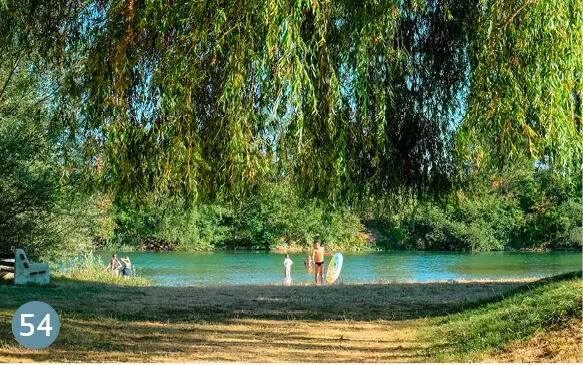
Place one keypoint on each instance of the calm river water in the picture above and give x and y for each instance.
(249, 267)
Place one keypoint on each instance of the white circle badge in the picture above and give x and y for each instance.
(35, 325)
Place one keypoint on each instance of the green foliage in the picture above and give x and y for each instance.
(380, 105)
(555, 226)
(38, 205)
(42, 206)
(171, 225)
(550, 303)
(526, 84)
(279, 216)
(435, 229)
(102, 219)
(276, 217)
(522, 208)
(348, 99)
(201, 227)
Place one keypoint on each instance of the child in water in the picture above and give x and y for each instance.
(308, 263)
(287, 263)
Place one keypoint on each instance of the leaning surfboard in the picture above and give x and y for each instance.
(334, 268)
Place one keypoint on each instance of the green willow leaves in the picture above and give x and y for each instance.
(349, 99)
(526, 84)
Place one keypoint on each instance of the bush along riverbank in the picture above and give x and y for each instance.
(277, 218)
(521, 210)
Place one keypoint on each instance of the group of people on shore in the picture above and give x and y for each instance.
(115, 264)
(316, 258)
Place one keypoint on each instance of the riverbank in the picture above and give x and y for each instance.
(345, 323)
(282, 249)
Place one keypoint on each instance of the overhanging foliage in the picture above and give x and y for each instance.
(347, 98)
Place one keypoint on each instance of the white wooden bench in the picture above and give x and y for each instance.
(27, 273)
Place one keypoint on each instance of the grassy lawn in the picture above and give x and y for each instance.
(399, 322)
(517, 326)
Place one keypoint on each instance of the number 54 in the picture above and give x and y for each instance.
(44, 325)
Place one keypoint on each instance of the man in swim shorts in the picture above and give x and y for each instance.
(318, 256)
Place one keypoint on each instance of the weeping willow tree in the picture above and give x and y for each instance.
(349, 99)
(526, 84)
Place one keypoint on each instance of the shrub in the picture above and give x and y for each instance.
(279, 216)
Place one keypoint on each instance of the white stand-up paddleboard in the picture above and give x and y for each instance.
(334, 268)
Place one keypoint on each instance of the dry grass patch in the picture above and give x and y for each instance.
(531, 325)
(245, 340)
(342, 323)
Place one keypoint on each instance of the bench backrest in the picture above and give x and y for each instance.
(24, 259)
(21, 259)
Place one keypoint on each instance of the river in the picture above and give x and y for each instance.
(251, 267)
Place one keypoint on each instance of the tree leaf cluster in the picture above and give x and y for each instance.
(347, 99)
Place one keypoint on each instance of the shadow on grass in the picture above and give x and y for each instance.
(104, 322)
(396, 301)
(540, 307)
(107, 340)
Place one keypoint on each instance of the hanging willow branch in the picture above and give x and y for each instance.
(347, 98)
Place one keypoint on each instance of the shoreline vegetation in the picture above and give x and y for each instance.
(308, 249)
(283, 249)
(524, 209)
(502, 320)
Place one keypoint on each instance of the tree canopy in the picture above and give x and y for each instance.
(346, 98)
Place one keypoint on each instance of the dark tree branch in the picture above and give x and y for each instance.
(516, 13)
(9, 77)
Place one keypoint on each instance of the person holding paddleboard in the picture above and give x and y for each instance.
(318, 256)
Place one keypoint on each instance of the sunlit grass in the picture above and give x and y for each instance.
(548, 305)
(396, 322)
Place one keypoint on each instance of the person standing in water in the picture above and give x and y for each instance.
(114, 265)
(318, 256)
(287, 263)
(127, 266)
